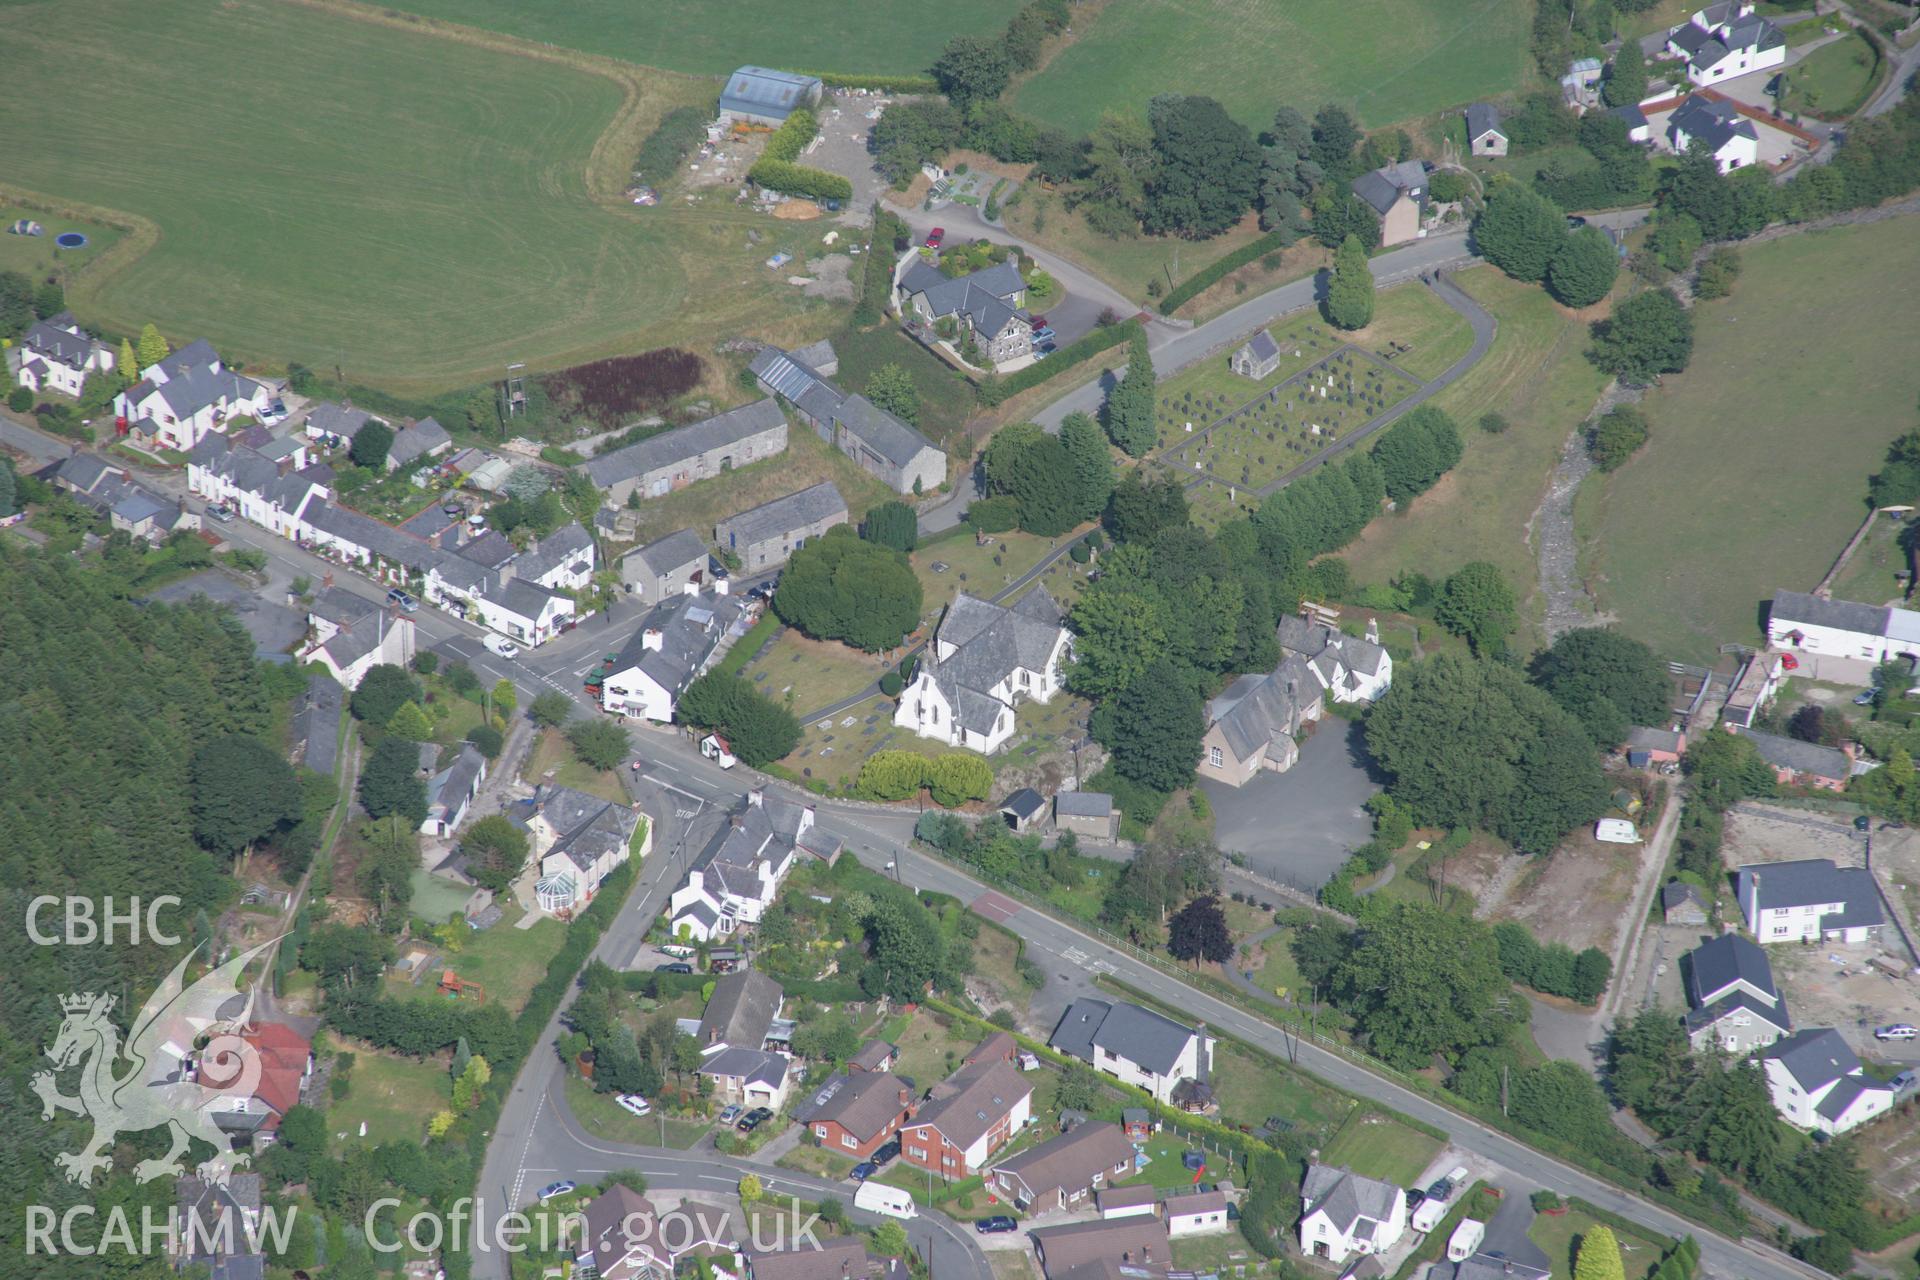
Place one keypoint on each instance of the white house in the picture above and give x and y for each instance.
(451, 791)
(578, 840)
(564, 560)
(1342, 1214)
(1842, 628)
(986, 658)
(679, 641)
(1349, 669)
(1197, 1215)
(734, 879)
(274, 494)
(1725, 40)
(522, 611)
(1817, 1083)
(183, 397)
(352, 635)
(56, 354)
(1719, 126)
(1736, 1007)
(1808, 901)
(1135, 1045)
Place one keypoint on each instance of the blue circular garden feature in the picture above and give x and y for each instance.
(71, 240)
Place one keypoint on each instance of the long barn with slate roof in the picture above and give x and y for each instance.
(885, 447)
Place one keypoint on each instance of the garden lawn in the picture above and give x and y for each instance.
(507, 961)
(552, 755)
(412, 209)
(1535, 376)
(1386, 59)
(815, 673)
(1756, 471)
(930, 1049)
(602, 1117)
(995, 952)
(393, 1096)
(1868, 576)
(1128, 263)
(1559, 1235)
(1379, 1146)
(807, 461)
(1834, 80)
(1252, 1088)
(712, 37)
(38, 256)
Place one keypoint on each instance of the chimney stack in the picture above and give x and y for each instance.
(652, 638)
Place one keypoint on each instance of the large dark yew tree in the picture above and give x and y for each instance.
(1209, 170)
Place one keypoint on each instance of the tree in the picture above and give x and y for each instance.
(1349, 300)
(1477, 604)
(599, 743)
(153, 348)
(1156, 729)
(1141, 506)
(890, 1240)
(550, 709)
(1583, 268)
(1079, 1088)
(382, 691)
(496, 851)
(242, 790)
(411, 723)
(1608, 681)
(892, 775)
(972, 68)
(1626, 81)
(758, 729)
(1647, 335)
(1421, 983)
(1726, 768)
(1208, 171)
(9, 489)
(391, 784)
(1090, 466)
(16, 303)
(1716, 275)
(370, 445)
(841, 588)
(892, 524)
(904, 948)
(1617, 436)
(957, 777)
(1120, 164)
(750, 1190)
(1416, 451)
(1335, 135)
(1118, 634)
(1130, 418)
(1198, 931)
(891, 387)
(20, 400)
(126, 365)
(1592, 970)
(1519, 231)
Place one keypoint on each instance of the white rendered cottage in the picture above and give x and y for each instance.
(1817, 1083)
(1343, 1214)
(56, 354)
(183, 397)
(986, 659)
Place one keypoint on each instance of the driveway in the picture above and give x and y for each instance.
(1297, 827)
(842, 149)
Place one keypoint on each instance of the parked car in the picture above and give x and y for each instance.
(1898, 1031)
(406, 602)
(1905, 1081)
(862, 1171)
(1042, 333)
(1041, 353)
(1415, 1198)
(221, 513)
(1037, 322)
(753, 1119)
(1575, 222)
(1864, 698)
(275, 412)
(886, 1153)
(935, 236)
(635, 1103)
(730, 1113)
(553, 1189)
(1862, 822)
(1440, 1189)
(502, 646)
(1789, 663)
(673, 966)
(999, 1224)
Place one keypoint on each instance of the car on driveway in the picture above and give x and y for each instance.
(885, 1153)
(935, 236)
(999, 1224)
(1905, 1081)
(731, 1113)
(754, 1119)
(1037, 322)
(1440, 1189)
(1898, 1031)
(1864, 698)
(862, 1171)
(673, 966)
(553, 1189)
(1042, 334)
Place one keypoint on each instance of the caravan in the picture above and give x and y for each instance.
(877, 1197)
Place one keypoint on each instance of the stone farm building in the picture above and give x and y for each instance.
(674, 459)
(986, 659)
(883, 446)
(767, 535)
(759, 95)
(665, 568)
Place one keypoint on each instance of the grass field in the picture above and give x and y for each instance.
(977, 570)
(508, 962)
(413, 208)
(393, 1096)
(1379, 1146)
(1537, 378)
(1686, 540)
(1250, 1089)
(1833, 80)
(817, 672)
(1125, 262)
(38, 256)
(1868, 576)
(709, 37)
(1386, 59)
(552, 755)
(1415, 317)
(1559, 1235)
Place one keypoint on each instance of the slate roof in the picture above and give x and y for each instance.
(1483, 118)
(417, 441)
(1138, 1239)
(782, 516)
(48, 339)
(836, 1258)
(1677, 892)
(741, 1009)
(1700, 1018)
(990, 641)
(1645, 739)
(973, 1099)
(1382, 187)
(586, 828)
(1728, 959)
(490, 550)
(873, 1055)
(863, 1103)
(880, 431)
(1326, 649)
(1813, 882)
(985, 297)
(316, 724)
(1631, 113)
(786, 374)
(1711, 120)
(1262, 346)
(195, 388)
(1840, 615)
(618, 1220)
(381, 539)
(764, 92)
(329, 418)
(449, 788)
(754, 1066)
(340, 606)
(558, 548)
(1255, 711)
(674, 551)
(1071, 1161)
(83, 471)
(1801, 757)
(1346, 1197)
(1141, 1036)
(817, 355)
(1024, 804)
(691, 628)
(526, 599)
(1815, 1057)
(1083, 804)
(429, 522)
(670, 448)
(1844, 1093)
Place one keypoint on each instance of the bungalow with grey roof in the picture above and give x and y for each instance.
(1257, 357)
(1682, 903)
(1398, 193)
(1797, 763)
(56, 354)
(1063, 1173)
(686, 455)
(424, 439)
(989, 305)
(855, 1112)
(986, 659)
(663, 569)
(884, 446)
(1088, 814)
(768, 534)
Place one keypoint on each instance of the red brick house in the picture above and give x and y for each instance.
(971, 1114)
(854, 1114)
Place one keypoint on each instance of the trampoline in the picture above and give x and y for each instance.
(70, 240)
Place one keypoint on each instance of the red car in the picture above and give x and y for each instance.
(1038, 322)
(935, 236)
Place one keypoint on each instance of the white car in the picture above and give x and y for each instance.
(1898, 1031)
(634, 1102)
(502, 646)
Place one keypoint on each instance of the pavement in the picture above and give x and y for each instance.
(1297, 827)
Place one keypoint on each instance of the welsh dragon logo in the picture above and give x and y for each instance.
(167, 1079)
